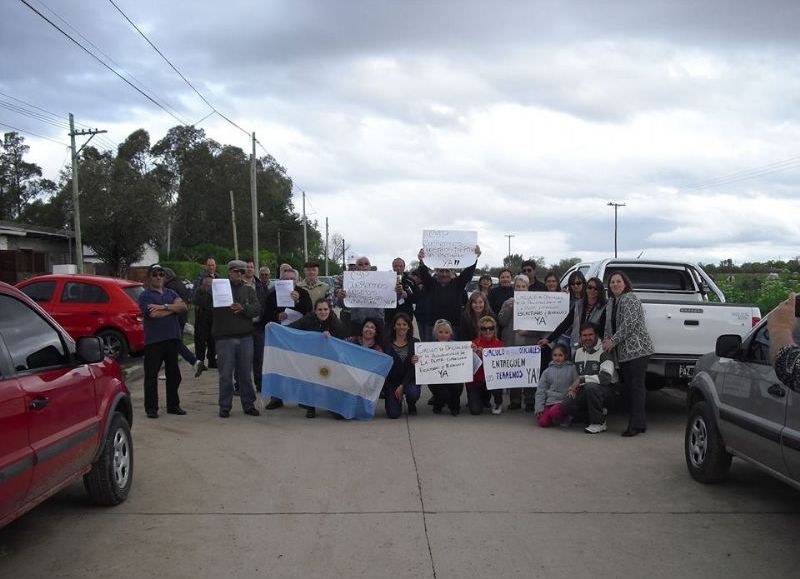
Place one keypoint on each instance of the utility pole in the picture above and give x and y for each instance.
(233, 221)
(616, 206)
(344, 257)
(305, 232)
(509, 244)
(278, 257)
(326, 246)
(75, 190)
(254, 202)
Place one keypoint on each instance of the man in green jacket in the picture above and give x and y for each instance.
(232, 329)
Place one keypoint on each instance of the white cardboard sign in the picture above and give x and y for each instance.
(449, 249)
(283, 291)
(370, 289)
(511, 367)
(221, 293)
(540, 311)
(444, 362)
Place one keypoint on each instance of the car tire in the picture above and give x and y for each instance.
(706, 457)
(114, 344)
(111, 477)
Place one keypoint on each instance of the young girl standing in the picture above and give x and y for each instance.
(445, 394)
(553, 386)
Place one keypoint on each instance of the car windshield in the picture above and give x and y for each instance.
(133, 292)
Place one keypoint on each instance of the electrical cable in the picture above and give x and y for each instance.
(32, 134)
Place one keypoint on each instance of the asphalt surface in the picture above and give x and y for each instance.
(429, 496)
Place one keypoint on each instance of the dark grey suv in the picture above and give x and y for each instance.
(738, 407)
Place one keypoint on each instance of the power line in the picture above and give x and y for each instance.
(98, 59)
(175, 68)
(32, 134)
(746, 174)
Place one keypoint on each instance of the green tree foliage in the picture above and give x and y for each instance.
(20, 181)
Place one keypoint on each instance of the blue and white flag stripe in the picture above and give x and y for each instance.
(308, 368)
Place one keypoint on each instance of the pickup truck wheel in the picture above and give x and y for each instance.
(114, 344)
(706, 457)
(109, 481)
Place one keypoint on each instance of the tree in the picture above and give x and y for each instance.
(20, 181)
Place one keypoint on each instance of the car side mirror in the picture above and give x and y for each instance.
(89, 349)
(728, 345)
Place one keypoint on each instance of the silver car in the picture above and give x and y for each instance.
(738, 407)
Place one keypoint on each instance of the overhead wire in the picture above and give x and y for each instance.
(101, 61)
(746, 174)
(26, 132)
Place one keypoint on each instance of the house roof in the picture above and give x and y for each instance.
(24, 230)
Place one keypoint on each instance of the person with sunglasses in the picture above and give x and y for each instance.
(160, 307)
(232, 328)
(528, 267)
(592, 308)
(477, 394)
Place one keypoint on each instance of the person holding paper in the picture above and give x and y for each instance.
(477, 394)
(445, 394)
(322, 319)
(444, 292)
(627, 336)
(406, 292)
(358, 315)
(513, 337)
(592, 308)
(273, 313)
(233, 332)
(401, 380)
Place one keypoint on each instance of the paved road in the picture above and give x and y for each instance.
(433, 496)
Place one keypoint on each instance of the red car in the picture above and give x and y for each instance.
(90, 305)
(65, 412)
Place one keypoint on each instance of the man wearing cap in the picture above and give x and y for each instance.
(232, 329)
(316, 288)
(160, 309)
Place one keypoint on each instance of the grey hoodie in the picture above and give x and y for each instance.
(554, 384)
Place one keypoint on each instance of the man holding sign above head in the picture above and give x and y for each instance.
(445, 294)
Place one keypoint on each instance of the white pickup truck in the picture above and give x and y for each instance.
(685, 311)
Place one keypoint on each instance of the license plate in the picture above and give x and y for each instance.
(685, 370)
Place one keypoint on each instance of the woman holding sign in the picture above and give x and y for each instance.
(401, 380)
(626, 334)
(477, 394)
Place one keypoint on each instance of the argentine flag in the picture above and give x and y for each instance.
(308, 368)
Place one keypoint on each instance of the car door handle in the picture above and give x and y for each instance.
(691, 322)
(38, 403)
(777, 390)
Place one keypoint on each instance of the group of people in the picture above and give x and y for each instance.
(601, 343)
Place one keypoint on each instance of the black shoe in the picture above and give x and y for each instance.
(633, 431)
(252, 412)
(224, 413)
(455, 411)
(176, 410)
(152, 413)
(530, 407)
(311, 413)
(437, 409)
(514, 406)
(212, 365)
(412, 409)
(273, 404)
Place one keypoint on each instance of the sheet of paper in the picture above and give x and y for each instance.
(540, 311)
(291, 316)
(221, 293)
(283, 290)
(444, 362)
(449, 249)
(370, 289)
(511, 367)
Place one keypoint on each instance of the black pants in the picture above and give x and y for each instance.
(478, 396)
(633, 375)
(591, 399)
(203, 340)
(165, 352)
(258, 357)
(446, 395)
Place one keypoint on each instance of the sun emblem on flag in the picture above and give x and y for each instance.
(324, 372)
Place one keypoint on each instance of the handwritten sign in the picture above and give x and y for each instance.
(540, 311)
(449, 249)
(221, 293)
(370, 289)
(511, 367)
(283, 291)
(444, 362)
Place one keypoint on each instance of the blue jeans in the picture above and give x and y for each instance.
(235, 353)
(394, 407)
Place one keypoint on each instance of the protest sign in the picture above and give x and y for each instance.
(370, 289)
(283, 291)
(511, 367)
(540, 311)
(221, 293)
(449, 249)
(443, 362)
(291, 316)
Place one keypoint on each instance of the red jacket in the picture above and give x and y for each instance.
(480, 342)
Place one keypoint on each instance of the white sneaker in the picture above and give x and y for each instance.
(595, 428)
(497, 408)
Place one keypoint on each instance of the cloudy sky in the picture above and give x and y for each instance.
(510, 117)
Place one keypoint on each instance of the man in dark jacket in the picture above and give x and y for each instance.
(203, 314)
(406, 292)
(232, 328)
(528, 268)
(445, 293)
